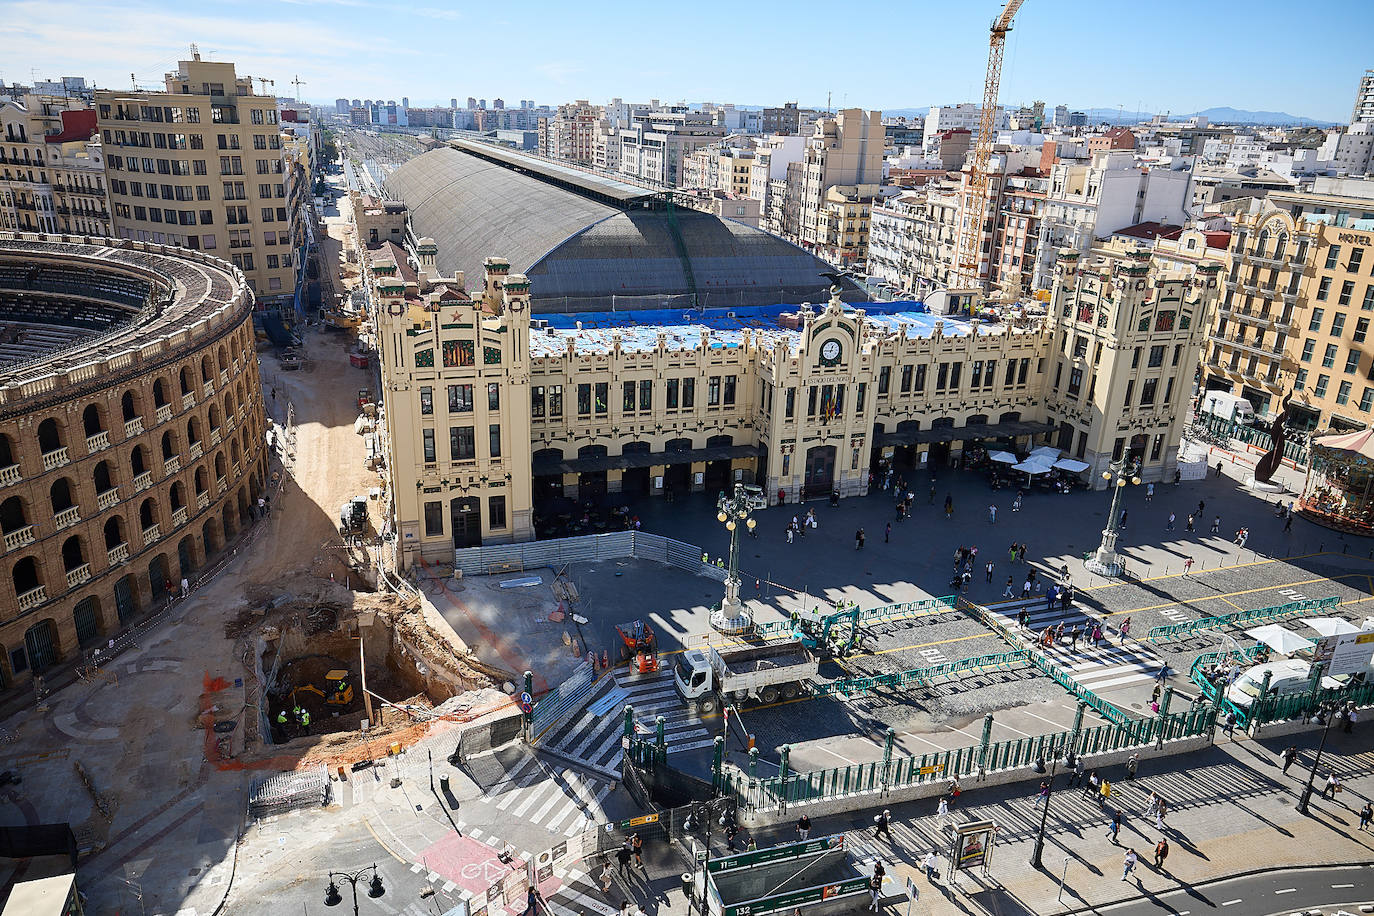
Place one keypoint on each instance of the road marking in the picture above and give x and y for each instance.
(1248, 591)
(1337, 886)
(380, 843)
(1287, 890)
(1230, 902)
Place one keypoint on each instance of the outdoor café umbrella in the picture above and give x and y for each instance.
(1331, 626)
(1048, 452)
(1032, 466)
(1072, 465)
(1284, 642)
(1003, 457)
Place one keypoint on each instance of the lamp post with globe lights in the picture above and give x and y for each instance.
(332, 897)
(1106, 561)
(734, 511)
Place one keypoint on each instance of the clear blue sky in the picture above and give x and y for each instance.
(1178, 55)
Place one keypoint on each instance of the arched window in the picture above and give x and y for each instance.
(91, 421)
(72, 554)
(207, 369)
(147, 514)
(26, 576)
(128, 405)
(214, 416)
(114, 532)
(159, 393)
(138, 460)
(186, 383)
(193, 431)
(61, 495)
(103, 478)
(200, 480)
(169, 445)
(178, 495)
(6, 452)
(49, 436)
(12, 515)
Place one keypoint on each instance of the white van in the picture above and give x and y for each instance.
(1287, 676)
(1228, 406)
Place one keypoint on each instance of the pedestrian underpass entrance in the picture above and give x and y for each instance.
(817, 876)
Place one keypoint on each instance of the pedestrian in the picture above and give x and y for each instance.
(1076, 778)
(1366, 815)
(1187, 566)
(623, 854)
(887, 533)
(1007, 592)
(185, 587)
(1230, 724)
(1290, 756)
(790, 534)
(876, 885)
(1114, 827)
(753, 844)
(1043, 796)
(1218, 469)
(532, 901)
(882, 820)
(1161, 853)
(1149, 491)
(731, 831)
(1201, 505)
(1170, 526)
(932, 865)
(1093, 785)
(1333, 785)
(942, 814)
(1122, 524)
(637, 844)
(1132, 764)
(1161, 808)
(606, 876)
(1097, 635)
(949, 506)
(1016, 503)
(1026, 588)
(1104, 794)
(1125, 629)
(859, 539)
(1188, 526)
(1288, 522)
(992, 514)
(1128, 864)
(1216, 524)
(804, 827)
(932, 493)
(1022, 618)
(989, 570)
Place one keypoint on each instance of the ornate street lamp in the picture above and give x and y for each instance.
(732, 511)
(1106, 561)
(374, 886)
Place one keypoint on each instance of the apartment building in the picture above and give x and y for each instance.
(654, 145)
(52, 167)
(1298, 306)
(201, 165)
(842, 230)
(570, 133)
(966, 116)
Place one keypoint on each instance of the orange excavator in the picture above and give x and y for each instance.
(638, 646)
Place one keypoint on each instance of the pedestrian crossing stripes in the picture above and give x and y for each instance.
(579, 896)
(1094, 667)
(593, 736)
(562, 803)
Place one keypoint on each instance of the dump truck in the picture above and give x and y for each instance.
(764, 673)
(353, 516)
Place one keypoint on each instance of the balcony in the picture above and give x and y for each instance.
(164, 413)
(214, 436)
(224, 377)
(151, 534)
(98, 441)
(78, 575)
(67, 517)
(54, 459)
(209, 386)
(229, 424)
(133, 427)
(118, 554)
(171, 465)
(19, 537)
(9, 476)
(188, 400)
(32, 598)
(221, 484)
(179, 516)
(202, 500)
(1248, 346)
(237, 473)
(143, 481)
(194, 451)
(107, 500)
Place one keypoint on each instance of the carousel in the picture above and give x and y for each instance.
(1340, 480)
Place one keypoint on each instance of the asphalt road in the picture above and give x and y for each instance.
(1270, 892)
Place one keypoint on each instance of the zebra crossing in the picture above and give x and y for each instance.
(1096, 668)
(561, 802)
(592, 738)
(579, 896)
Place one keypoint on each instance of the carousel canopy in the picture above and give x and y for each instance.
(1361, 442)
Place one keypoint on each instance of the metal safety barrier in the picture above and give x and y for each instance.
(586, 548)
(1257, 615)
(923, 677)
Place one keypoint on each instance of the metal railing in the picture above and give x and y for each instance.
(1257, 615)
(922, 677)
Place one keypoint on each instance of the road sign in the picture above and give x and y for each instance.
(778, 853)
(526, 698)
(936, 768)
(526, 708)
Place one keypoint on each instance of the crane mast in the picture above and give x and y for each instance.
(976, 199)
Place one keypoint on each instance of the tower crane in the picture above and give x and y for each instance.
(298, 83)
(976, 201)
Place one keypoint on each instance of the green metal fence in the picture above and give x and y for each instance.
(905, 771)
(1257, 615)
(1230, 429)
(921, 677)
(1273, 708)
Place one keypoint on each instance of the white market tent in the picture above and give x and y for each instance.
(1284, 642)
